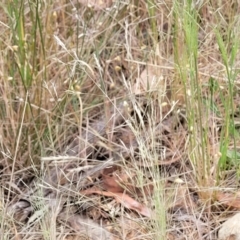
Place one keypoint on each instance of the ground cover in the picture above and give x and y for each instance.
(119, 119)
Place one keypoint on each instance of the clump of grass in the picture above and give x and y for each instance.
(148, 156)
(186, 57)
(207, 151)
(26, 71)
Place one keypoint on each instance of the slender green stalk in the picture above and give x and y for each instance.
(153, 22)
(228, 58)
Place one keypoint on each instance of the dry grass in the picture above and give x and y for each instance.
(119, 119)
